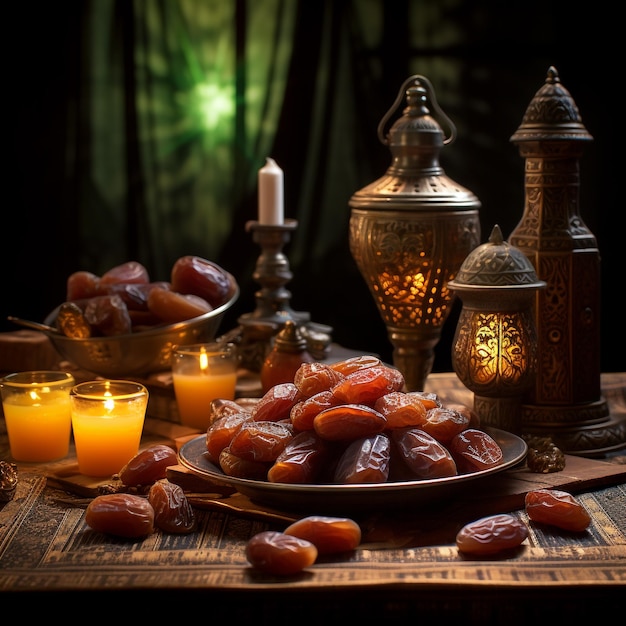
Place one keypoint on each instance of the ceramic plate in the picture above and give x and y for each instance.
(331, 498)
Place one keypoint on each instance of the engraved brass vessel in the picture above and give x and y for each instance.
(411, 229)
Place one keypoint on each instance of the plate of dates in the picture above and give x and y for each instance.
(350, 498)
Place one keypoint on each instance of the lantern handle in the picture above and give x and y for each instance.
(432, 100)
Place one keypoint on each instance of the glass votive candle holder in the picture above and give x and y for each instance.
(107, 420)
(202, 373)
(36, 407)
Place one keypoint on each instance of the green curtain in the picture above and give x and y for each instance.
(182, 111)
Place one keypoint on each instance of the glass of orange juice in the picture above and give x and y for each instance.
(36, 408)
(107, 420)
(202, 373)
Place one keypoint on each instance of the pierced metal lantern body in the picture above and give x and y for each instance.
(495, 344)
(410, 231)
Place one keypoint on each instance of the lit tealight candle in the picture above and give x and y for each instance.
(271, 211)
(37, 412)
(107, 419)
(202, 373)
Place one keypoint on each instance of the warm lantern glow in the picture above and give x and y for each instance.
(495, 343)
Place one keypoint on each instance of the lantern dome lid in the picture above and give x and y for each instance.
(551, 115)
(496, 264)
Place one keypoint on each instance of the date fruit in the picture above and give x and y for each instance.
(148, 466)
(348, 421)
(556, 508)
(195, 275)
(302, 461)
(490, 535)
(172, 511)
(260, 441)
(474, 450)
(366, 385)
(121, 514)
(280, 554)
(330, 535)
(172, 307)
(365, 461)
(425, 457)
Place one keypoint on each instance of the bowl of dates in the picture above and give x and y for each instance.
(123, 324)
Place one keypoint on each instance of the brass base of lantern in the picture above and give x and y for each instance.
(583, 430)
(414, 353)
(502, 413)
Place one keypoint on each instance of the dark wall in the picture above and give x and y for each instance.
(506, 50)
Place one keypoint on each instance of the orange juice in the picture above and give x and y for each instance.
(38, 431)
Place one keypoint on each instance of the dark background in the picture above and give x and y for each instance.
(506, 49)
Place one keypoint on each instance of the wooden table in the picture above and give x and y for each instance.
(407, 566)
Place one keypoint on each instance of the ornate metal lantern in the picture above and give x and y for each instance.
(565, 401)
(495, 344)
(411, 229)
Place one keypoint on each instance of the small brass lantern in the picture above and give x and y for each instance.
(411, 229)
(495, 344)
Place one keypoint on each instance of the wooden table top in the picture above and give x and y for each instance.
(407, 564)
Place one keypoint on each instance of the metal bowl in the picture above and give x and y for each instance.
(143, 352)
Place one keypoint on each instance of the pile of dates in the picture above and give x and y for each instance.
(124, 299)
(162, 506)
(348, 422)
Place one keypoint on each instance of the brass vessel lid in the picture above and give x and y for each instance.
(496, 264)
(552, 114)
(415, 181)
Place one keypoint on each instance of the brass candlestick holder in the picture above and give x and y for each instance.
(272, 272)
(256, 331)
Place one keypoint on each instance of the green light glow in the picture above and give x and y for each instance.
(216, 104)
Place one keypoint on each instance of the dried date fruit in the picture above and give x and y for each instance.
(429, 399)
(474, 450)
(172, 511)
(121, 514)
(543, 455)
(222, 406)
(472, 417)
(365, 386)
(303, 413)
(8, 480)
(490, 535)
(71, 321)
(312, 378)
(201, 277)
(276, 403)
(401, 409)
(148, 466)
(348, 421)
(330, 535)
(82, 285)
(425, 457)
(302, 461)
(233, 465)
(556, 508)
(220, 433)
(280, 554)
(352, 364)
(261, 441)
(365, 460)
(108, 315)
(444, 424)
(126, 273)
(172, 307)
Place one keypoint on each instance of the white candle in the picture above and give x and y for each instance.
(271, 194)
